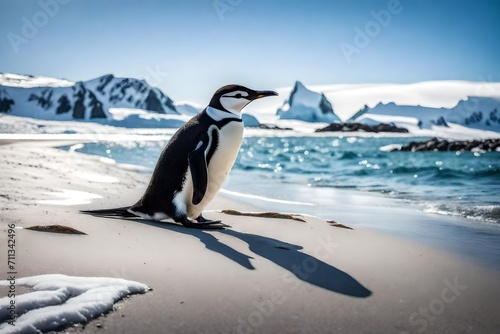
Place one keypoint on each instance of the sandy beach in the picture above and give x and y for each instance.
(262, 275)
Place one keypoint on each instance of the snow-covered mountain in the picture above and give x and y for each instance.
(474, 112)
(417, 105)
(128, 102)
(54, 99)
(350, 98)
(424, 117)
(306, 105)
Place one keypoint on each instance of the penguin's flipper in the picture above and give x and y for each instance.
(116, 212)
(199, 170)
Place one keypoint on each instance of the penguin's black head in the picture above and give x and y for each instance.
(233, 98)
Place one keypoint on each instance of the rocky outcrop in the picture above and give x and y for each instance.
(272, 127)
(440, 122)
(6, 102)
(358, 127)
(435, 144)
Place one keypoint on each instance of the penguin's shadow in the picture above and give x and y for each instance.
(288, 256)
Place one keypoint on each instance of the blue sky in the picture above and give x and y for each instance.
(189, 48)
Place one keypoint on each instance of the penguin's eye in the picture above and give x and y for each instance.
(237, 96)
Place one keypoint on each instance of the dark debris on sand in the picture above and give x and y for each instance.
(335, 224)
(55, 229)
(265, 215)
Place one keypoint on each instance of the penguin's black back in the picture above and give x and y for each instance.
(170, 171)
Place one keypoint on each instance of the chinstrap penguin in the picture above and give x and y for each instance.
(195, 163)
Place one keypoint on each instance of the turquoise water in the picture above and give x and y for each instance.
(463, 184)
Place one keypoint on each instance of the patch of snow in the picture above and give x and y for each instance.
(390, 147)
(300, 126)
(138, 118)
(400, 121)
(119, 114)
(25, 81)
(59, 301)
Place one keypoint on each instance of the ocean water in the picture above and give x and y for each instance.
(465, 184)
(462, 184)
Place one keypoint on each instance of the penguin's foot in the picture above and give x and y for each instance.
(204, 224)
(203, 220)
(208, 225)
(211, 225)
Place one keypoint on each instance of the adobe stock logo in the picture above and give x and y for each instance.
(31, 26)
(223, 6)
(155, 76)
(449, 294)
(364, 36)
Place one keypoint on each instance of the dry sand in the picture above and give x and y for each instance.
(260, 276)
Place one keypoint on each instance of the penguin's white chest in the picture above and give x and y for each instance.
(219, 166)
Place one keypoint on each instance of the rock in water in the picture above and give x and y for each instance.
(435, 144)
(358, 127)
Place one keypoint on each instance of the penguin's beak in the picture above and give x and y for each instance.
(263, 93)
